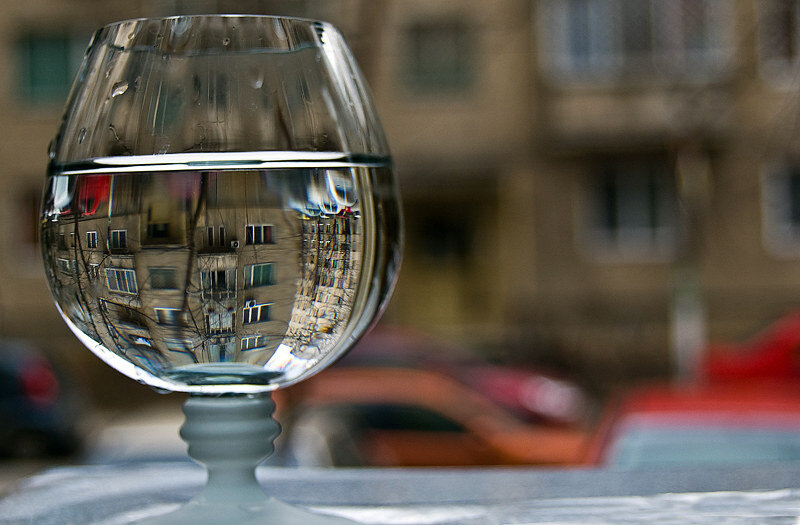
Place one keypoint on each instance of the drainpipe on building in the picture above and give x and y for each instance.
(688, 323)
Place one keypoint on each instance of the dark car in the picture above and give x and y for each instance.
(39, 416)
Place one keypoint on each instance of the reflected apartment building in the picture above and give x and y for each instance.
(604, 184)
(170, 269)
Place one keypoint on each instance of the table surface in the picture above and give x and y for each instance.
(116, 494)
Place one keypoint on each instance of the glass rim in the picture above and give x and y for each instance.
(305, 20)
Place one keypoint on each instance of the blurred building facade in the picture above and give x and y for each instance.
(600, 183)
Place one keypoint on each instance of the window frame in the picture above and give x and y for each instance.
(70, 46)
(646, 219)
(421, 76)
(255, 234)
(129, 279)
(669, 56)
(253, 312)
(250, 275)
(260, 341)
(172, 283)
(118, 239)
(220, 322)
(172, 316)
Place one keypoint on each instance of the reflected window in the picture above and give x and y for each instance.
(123, 314)
(119, 239)
(259, 275)
(219, 322)
(163, 278)
(91, 239)
(255, 313)
(65, 266)
(169, 316)
(218, 280)
(251, 342)
(258, 234)
(633, 209)
(121, 280)
(221, 351)
(181, 346)
(441, 56)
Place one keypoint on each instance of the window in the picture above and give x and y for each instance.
(66, 266)
(633, 209)
(181, 346)
(163, 278)
(219, 322)
(258, 234)
(91, 239)
(587, 38)
(779, 36)
(47, 66)
(781, 209)
(255, 313)
(441, 56)
(218, 280)
(119, 239)
(221, 351)
(259, 275)
(169, 316)
(251, 342)
(94, 270)
(215, 236)
(120, 313)
(122, 280)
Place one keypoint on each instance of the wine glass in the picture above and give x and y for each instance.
(220, 218)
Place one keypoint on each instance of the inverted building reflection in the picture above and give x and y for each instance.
(175, 269)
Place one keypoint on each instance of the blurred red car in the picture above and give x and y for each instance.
(390, 416)
(671, 426)
(772, 354)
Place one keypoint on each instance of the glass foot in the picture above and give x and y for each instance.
(269, 511)
(231, 435)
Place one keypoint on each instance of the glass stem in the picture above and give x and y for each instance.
(230, 435)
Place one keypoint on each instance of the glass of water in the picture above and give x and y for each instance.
(220, 214)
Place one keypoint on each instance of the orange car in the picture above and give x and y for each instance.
(385, 416)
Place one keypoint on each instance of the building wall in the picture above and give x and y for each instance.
(500, 142)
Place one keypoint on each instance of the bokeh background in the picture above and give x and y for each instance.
(592, 188)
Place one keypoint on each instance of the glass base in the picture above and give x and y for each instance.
(231, 435)
(269, 511)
